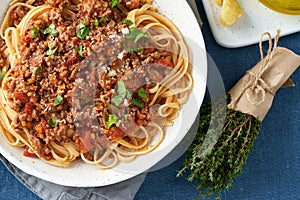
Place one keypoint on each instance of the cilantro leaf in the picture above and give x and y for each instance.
(117, 100)
(113, 3)
(50, 51)
(96, 22)
(38, 69)
(35, 32)
(138, 102)
(102, 19)
(53, 124)
(50, 30)
(127, 21)
(126, 117)
(58, 100)
(2, 75)
(112, 119)
(79, 51)
(134, 50)
(122, 93)
(136, 34)
(84, 31)
(142, 93)
(141, 36)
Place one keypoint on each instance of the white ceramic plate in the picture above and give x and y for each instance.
(81, 174)
(256, 20)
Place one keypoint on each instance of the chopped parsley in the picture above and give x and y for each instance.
(2, 75)
(114, 3)
(127, 21)
(136, 35)
(84, 31)
(58, 100)
(126, 117)
(53, 124)
(117, 100)
(35, 32)
(51, 51)
(134, 50)
(122, 93)
(79, 51)
(50, 30)
(138, 102)
(112, 119)
(38, 69)
(96, 22)
(142, 93)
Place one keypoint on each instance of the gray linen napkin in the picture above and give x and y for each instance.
(49, 191)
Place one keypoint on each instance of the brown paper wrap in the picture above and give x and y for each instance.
(254, 93)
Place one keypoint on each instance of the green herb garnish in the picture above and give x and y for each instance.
(126, 117)
(84, 31)
(136, 35)
(96, 22)
(2, 75)
(122, 93)
(79, 51)
(53, 124)
(215, 170)
(117, 100)
(113, 3)
(38, 69)
(50, 51)
(50, 30)
(58, 100)
(142, 93)
(134, 50)
(127, 21)
(35, 32)
(112, 119)
(138, 102)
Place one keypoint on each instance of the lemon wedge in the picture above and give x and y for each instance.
(219, 2)
(231, 11)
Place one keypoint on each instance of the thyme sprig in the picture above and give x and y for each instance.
(216, 171)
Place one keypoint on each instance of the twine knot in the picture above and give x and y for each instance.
(256, 88)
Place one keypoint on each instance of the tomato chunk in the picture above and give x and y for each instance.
(165, 62)
(21, 96)
(117, 133)
(27, 153)
(29, 108)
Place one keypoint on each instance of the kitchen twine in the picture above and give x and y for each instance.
(256, 81)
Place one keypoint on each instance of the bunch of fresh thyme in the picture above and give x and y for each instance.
(218, 152)
(215, 171)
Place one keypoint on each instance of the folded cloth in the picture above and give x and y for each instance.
(49, 191)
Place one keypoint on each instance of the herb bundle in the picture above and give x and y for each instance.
(215, 171)
(218, 152)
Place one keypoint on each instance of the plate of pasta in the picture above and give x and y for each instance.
(96, 92)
